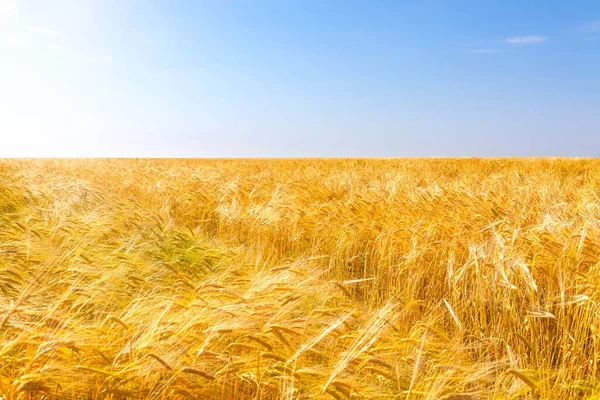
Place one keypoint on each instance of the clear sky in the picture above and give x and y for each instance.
(304, 78)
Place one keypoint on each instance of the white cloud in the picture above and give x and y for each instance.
(37, 29)
(56, 47)
(104, 58)
(525, 40)
(484, 51)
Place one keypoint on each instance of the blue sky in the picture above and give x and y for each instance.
(299, 78)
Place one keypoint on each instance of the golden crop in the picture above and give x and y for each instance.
(248, 279)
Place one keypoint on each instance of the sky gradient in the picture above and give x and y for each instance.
(299, 78)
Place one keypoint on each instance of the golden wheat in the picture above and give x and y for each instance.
(399, 279)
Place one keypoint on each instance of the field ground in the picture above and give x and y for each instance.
(398, 279)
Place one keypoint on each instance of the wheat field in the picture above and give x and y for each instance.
(300, 279)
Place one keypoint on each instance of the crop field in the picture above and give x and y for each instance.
(457, 279)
